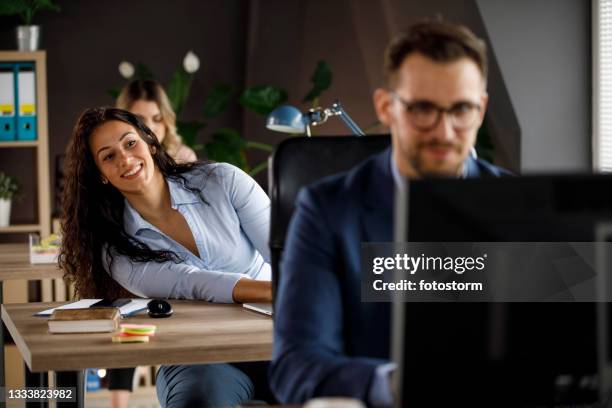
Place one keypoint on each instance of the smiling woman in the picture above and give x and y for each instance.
(124, 160)
(136, 222)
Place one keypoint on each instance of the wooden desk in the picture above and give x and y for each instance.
(15, 265)
(197, 332)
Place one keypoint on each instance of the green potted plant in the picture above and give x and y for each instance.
(28, 35)
(8, 189)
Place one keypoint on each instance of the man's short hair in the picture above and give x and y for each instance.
(438, 40)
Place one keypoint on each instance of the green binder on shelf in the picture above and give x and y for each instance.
(8, 121)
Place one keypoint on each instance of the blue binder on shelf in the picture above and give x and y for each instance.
(8, 121)
(26, 102)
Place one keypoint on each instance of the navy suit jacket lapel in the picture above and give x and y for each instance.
(376, 216)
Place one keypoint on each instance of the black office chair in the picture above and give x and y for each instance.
(299, 161)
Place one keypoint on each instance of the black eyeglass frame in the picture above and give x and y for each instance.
(409, 105)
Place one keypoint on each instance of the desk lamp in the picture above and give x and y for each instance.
(289, 119)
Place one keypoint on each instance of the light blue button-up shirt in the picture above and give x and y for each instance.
(230, 231)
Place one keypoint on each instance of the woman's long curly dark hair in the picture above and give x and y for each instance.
(92, 223)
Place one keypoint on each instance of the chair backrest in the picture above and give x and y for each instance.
(300, 161)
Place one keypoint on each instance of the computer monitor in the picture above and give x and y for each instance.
(500, 354)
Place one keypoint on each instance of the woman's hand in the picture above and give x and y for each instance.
(249, 290)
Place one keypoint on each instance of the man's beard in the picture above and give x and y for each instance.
(421, 167)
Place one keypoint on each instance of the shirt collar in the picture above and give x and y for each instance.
(132, 221)
(179, 195)
(398, 179)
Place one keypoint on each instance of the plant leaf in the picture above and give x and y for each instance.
(227, 146)
(142, 72)
(113, 93)
(262, 99)
(217, 100)
(40, 5)
(34, 6)
(189, 132)
(12, 7)
(321, 80)
(8, 186)
(178, 89)
(258, 168)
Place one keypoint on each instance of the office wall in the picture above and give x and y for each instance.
(543, 49)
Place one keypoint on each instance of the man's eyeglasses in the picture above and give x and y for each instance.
(425, 115)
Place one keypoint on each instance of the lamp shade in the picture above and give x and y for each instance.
(286, 119)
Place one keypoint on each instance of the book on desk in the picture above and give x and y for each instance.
(134, 306)
(96, 320)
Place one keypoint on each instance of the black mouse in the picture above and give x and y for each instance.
(159, 308)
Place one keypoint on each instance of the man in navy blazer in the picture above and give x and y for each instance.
(326, 341)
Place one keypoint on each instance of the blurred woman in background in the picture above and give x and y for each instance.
(148, 100)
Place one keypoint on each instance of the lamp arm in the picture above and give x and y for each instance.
(337, 110)
(318, 116)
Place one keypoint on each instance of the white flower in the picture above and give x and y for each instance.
(191, 63)
(126, 69)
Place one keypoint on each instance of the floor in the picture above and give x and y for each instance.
(142, 397)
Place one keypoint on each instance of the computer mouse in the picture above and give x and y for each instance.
(159, 308)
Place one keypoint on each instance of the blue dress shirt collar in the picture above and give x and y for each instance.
(179, 195)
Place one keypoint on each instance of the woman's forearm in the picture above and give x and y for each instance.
(249, 290)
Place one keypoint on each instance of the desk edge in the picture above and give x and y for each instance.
(25, 352)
